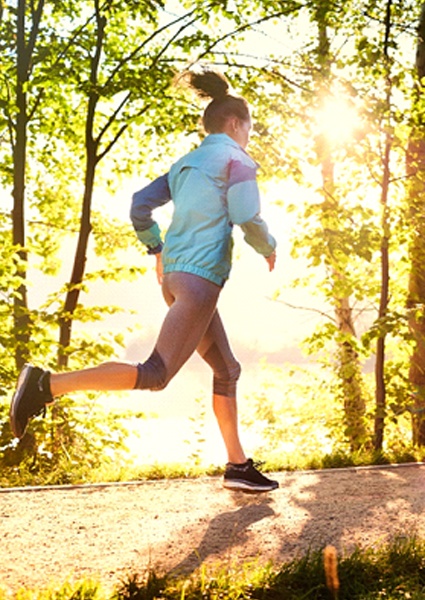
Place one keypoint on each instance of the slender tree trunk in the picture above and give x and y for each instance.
(350, 374)
(21, 318)
(78, 270)
(416, 291)
(24, 51)
(349, 368)
(380, 390)
(80, 258)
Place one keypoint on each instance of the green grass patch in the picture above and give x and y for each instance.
(392, 572)
(66, 473)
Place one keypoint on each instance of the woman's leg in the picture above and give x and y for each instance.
(226, 412)
(110, 376)
(240, 473)
(215, 350)
(192, 301)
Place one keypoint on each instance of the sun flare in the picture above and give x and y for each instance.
(337, 119)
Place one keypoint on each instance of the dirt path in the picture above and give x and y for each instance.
(107, 532)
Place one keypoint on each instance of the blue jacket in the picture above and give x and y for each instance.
(213, 188)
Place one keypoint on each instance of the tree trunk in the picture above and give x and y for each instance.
(21, 315)
(350, 374)
(416, 289)
(24, 52)
(380, 389)
(80, 258)
(349, 368)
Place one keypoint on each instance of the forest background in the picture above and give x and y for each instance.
(332, 342)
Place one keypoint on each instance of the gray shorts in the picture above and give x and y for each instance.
(192, 323)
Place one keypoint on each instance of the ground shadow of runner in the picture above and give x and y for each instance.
(226, 530)
(351, 508)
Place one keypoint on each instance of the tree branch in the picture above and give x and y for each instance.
(305, 308)
(119, 134)
(36, 19)
(146, 41)
(245, 27)
(113, 116)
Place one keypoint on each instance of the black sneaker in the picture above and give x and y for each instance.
(30, 398)
(247, 478)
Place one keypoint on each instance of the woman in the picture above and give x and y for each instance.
(212, 188)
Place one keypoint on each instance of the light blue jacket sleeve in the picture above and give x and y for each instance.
(144, 202)
(257, 235)
(243, 198)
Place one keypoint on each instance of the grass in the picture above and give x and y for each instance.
(73, 472)
(392, 572)
(296, 423)
(128, 472)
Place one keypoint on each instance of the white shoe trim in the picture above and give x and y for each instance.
(240, 484)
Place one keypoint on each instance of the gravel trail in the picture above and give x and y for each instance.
(106, 532)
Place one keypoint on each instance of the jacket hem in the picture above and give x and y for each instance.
(204, 273)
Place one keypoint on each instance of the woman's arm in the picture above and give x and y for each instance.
(243, 199)
(157, 193)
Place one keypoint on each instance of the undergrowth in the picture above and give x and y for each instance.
(296, 423)
(393, 571)
(109, 472)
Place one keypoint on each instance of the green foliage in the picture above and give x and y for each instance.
(86, 86)
(137, 588)
(69, 445)
(299, 421)
(94, 78)
(342, 223)
(388, 572)
(293, 419)
(81, 590)
(72, 444)
(392, 571)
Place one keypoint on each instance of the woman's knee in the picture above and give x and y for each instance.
(225, 381)
(152, 374)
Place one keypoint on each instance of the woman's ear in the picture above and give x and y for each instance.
(232, 125)
(235, 123)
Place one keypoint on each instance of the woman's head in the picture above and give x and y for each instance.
(225, 113)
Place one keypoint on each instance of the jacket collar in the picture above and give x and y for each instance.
(223, 138)
(220, 138)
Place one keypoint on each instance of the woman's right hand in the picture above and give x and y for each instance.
(271, 260)
(159, 268)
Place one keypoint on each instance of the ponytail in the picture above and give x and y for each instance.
(211, 84)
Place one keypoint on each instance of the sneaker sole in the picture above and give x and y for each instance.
(244, 486)
(16, 398)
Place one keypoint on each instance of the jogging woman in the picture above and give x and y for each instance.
(212, 188)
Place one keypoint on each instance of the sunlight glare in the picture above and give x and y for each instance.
(337, 119)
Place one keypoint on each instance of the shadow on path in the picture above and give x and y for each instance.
(226, 530)
(357, 507)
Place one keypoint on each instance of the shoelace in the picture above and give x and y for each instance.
(256, 464)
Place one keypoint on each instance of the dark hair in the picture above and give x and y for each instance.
(211, 84)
